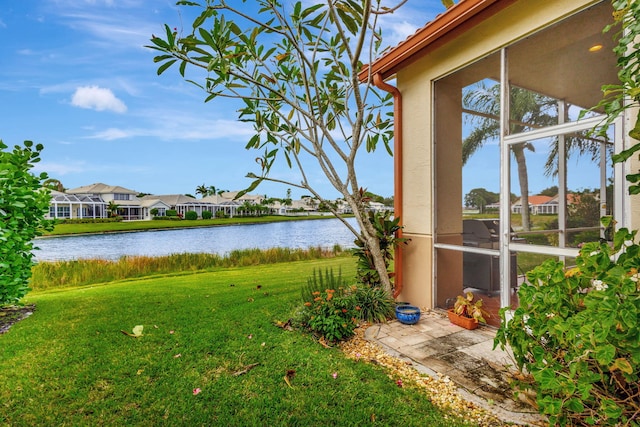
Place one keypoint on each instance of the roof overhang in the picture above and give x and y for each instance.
(447, 26)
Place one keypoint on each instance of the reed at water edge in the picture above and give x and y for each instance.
(60, 274)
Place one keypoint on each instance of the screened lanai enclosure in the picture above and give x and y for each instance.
(513, 140)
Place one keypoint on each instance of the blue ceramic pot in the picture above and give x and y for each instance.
(407, 314)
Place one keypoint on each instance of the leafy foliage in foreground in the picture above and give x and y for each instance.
(23, 206)
(577, 333)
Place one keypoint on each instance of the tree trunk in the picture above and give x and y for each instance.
(518, 152)
(368, 236)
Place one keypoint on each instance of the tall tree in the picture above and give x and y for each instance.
(296, 72)
(480, 197)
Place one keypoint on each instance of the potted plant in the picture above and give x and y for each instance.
(466, 312)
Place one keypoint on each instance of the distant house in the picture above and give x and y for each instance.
(178, 202)
(129, 207)
(92, 201)
(546, 205)
(66, 206)
(538, 205)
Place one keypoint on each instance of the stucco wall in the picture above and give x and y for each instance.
(417, 288)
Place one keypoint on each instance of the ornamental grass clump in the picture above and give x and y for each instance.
(576, 335)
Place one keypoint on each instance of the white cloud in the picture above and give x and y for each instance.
(97, 98)
(53, 168)
(182, 129)
(112, 134)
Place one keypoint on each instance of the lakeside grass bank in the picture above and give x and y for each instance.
(209, 354)
(83, 272)
(126, 226)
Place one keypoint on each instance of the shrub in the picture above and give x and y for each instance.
(332, 314)
(23, 206)
(207, 215)
(374, 303)
(577, 335)
(191, 215)
(89, 220)
(221, 214)
(332, 309)
(171, 212)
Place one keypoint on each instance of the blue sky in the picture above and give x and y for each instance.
(75, 77)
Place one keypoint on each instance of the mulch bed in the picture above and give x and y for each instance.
(11, 314)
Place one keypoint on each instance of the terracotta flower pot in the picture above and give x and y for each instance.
(462, 321)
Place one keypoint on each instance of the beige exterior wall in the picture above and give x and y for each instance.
(633, 166)
(417, 279)
(415, 83)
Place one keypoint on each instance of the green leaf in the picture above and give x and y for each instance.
(160, 58)
(574, 405)
(605, 354)
(166, 65)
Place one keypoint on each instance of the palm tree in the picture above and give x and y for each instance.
(203, 190)
(53, 184)
(528, 110)
(112, 208)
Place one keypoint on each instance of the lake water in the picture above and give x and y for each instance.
(220, 240)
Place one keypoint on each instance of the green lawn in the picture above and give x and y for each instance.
(104, 227)
(70, 364)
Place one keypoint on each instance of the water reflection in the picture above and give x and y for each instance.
(220, 240)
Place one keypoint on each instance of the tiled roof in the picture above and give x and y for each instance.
(100, 188)
(446, 26)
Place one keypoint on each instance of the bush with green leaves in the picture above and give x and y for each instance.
(88, 220)
(332, 314)
(191, 215)
(207, 215)
(576, 335)
(171, 212)
(333, 309)
(23, 206)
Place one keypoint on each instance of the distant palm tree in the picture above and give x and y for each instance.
(53, 184)
(203, 190)
(112, 208)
